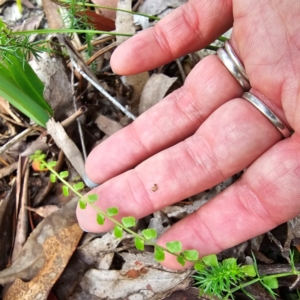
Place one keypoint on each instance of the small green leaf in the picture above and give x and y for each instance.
(82, 204)
(52, 163)
(271, 282)
(33, 157)
(181, 260)
(52, 178)
(159, 254)
(100, 219)
(139, 244)
(112, 211)
(199, 266)
(191, 255)
(211, 260)
(64, 174)
(38, 152)
(149, 233)
(118, 231)
(230, 262)
(42, 166)
(174, 247)
(92, 198)
(65, 190)
(128, 221)
(249, 270)
(78, 186)
(42, 156)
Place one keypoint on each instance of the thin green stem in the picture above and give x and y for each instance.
(223, 38)
(211, 47)
(243, 285)
(112, 8)
(100, 211)
(65, 30)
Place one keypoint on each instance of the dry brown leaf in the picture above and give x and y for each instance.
(159, 7)
(140, 276)
(21, 201)
(58, 250)
(155, 90)
(124, 21)
(32, 257)
(53, 16)
(137, 82)
(99, 252)
(8, 170)
(108, 13)
(44, 211)
(97, 21)
(30, 23)
(6, 219)
(5, 109)
(4, 106)
(108, 126)
(58, 89)
(69, 148)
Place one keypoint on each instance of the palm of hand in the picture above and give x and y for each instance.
(203, 133)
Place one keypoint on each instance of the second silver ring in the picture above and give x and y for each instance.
(234, 65)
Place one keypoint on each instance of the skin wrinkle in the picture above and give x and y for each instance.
(297, 108)
(193, 113)
(141, 201)
(137, 138)
(201, 163)
(199, 235)
(273, 74)
(176, 163)
(182, 116)
(159, 35)
(186, 169)
(247, 203)
(191, 20)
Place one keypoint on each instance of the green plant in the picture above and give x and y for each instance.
(217, 279)
(18, 83)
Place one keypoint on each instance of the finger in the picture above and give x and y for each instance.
(176, 117)
(192, 26)
(265, 196)
(227, 142)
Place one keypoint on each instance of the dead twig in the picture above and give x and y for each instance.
(17, 138)
(78, 121)
(8, 169)
(85, 72)
(22, 221)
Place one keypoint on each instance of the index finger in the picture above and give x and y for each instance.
(190, 27)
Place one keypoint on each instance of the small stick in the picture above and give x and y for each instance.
(182, 73)
(65, 123)
(96, 42)
(103, 91)
(89, 76)
(17, 138)
(78, 121)
(13, 121)
(100, 52)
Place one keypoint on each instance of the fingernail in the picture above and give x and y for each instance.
(82, 228)
(89, 182)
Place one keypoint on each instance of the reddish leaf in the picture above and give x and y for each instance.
(97, 21)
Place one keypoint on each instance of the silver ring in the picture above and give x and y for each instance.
(233, 69)
(268, 113)
(235, 59)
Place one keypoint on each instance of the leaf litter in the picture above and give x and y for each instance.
(53, 257)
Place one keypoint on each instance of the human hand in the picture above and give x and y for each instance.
(204, 132)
